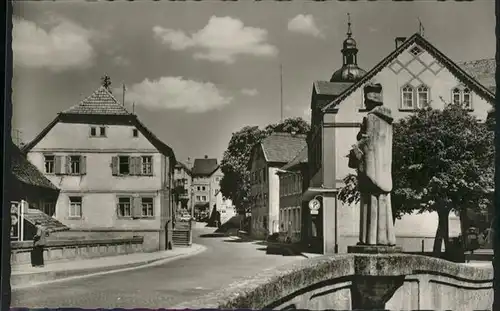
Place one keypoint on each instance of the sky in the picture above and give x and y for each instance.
(196, 72)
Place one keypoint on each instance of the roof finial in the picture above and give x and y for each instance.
(106, 81)
(349, 31)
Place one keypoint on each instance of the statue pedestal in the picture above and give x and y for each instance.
(374, 249)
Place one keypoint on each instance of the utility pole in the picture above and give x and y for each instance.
(124, 90)
(281, 92)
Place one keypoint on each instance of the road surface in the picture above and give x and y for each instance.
(160, 286)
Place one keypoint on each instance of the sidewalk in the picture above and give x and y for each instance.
(26, 276)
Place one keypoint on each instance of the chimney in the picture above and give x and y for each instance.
(399, 41)
(206, 157)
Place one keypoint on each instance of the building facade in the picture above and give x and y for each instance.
(266, 159)
(114, 174)
(206, 175)
(292, 216)
(414, 75)
(183, 188)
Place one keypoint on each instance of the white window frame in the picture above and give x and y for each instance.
(204, 198)
(75, 165)
(427, 92)
(75, 207)
(408, 89)
(459, 93)
(148, 206)
(48, 163)
(119, 210)
(147, 165)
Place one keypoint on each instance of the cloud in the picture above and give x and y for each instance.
(65, 46)
(221, 40)
(250, 92)
(121, 61)
(179, 94)
(304, 24)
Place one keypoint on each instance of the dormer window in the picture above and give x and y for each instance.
(407, 97)
(462, 95)
(423, 96)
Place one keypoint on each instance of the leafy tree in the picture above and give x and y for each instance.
(443, 162)
(235, 184)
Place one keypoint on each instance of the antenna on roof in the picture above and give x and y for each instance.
(133, 107)
(420, 27)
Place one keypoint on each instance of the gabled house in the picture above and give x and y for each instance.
(115, 175)
(294, 216)
(206, 174)
(265, 160)
(415, 74)
(27, 183)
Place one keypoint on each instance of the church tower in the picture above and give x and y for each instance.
(350, 72)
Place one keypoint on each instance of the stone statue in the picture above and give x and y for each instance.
(372, 158)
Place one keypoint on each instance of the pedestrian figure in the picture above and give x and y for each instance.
(39, 241)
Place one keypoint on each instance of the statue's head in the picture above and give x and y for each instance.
(373, 95)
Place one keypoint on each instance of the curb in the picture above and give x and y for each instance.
(28, 280)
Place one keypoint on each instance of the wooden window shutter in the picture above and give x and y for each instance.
(152, 166)
(114, 166)
(138, 166)
(83, 165)
(58, 165)
(132, 166)
(68, 165)
(136, 207)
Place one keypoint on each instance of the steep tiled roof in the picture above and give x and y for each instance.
(183, 165)
(442, 58)
(300, 158)
(24, 171)
(282, 147)
(101, 102)
(204, 167)
(34, 215)
(483, 70)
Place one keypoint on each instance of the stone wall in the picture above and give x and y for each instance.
(76, 249)
(360, 281)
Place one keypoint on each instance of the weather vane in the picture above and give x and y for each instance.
(349, 32)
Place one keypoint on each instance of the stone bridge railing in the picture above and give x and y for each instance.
(360, 281)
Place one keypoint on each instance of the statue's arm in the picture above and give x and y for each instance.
(362, 131)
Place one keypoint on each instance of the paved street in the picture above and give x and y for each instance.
(161, 286)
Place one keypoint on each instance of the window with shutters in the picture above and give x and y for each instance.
(147, 165)
(49, 164)
(147, 207)
(75, 207)
(124, 165)
(75, 165)
(125, 207)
